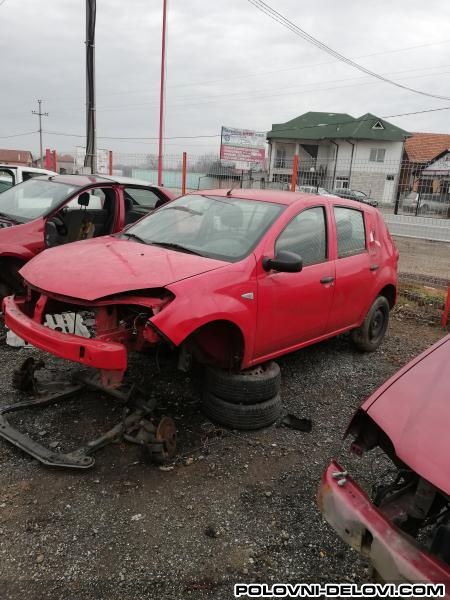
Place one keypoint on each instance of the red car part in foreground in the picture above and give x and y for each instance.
(229, 279)
(405, 529)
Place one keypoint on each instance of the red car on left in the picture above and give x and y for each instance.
(50, 211)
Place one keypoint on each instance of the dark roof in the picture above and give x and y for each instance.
(321, 125)
(21, 157)
(423, 147)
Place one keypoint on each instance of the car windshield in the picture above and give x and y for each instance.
(33, 198)
(217, 227)
(358, 194)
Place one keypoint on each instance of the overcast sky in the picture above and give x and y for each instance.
(227, 64)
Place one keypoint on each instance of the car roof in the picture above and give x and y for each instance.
(29, 169)
(281, 197)
(85, 180)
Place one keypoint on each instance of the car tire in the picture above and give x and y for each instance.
(246, 387)
(370, 334)
(242, 416)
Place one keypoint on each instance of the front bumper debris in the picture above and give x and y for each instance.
(394, 555)
(158, 440)
(111, 356)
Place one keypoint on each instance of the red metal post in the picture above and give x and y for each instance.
(48, 159)
(161, 95)
(294, 173)
(183, 175)
(444, 320)
(110, 162)
(55, 165)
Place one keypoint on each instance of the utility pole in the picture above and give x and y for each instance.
(40, 115)
(90, 159)
(161, 95)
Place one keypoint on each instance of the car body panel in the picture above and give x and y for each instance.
(413, 409)
(395, 556)
(108, 265)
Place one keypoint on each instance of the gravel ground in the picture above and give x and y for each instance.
(234, 507)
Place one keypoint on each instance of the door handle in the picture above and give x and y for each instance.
(374, 267)
(325, 280)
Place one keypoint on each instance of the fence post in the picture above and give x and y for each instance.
(294, 173)
(55, 165)
(183, 175)
(48, 159)
(110, 162)
(444, 320)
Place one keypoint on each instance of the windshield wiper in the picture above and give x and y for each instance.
(184, 209)
(173, 246)
(10, 218)
(133, 236)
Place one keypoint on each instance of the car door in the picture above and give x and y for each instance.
(293, 308)
(356, 266)
(139, 201)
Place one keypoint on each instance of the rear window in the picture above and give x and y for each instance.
(351, 233)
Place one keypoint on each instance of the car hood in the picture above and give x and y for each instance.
(93, 269)
(413, 409)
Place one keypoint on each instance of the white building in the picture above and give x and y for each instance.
(338, 151)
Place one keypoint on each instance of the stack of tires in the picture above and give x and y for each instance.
(249, 399)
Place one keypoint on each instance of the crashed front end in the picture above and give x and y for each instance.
(118, 325)
(402, 525)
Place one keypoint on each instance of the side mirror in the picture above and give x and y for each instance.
(284, 262)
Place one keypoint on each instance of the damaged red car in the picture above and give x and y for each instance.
(49, 211)
(229, 279)
(404, 527)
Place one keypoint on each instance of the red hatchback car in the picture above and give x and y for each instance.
(233, 278)
(51, 211)
(404, 529)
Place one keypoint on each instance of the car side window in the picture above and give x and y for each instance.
(142, 196)
(306, 235)
(351, 233)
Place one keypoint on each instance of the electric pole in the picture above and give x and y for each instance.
(90, 159)
(161, 95)
(40, 115)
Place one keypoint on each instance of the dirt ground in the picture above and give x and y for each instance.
(424, 257)
(234, 507)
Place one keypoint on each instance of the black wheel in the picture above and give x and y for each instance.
(247, 387)
(371, 333)
(242, 416)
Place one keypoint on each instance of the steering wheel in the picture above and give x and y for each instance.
(60, 225)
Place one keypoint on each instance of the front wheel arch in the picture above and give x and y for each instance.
(218, 343)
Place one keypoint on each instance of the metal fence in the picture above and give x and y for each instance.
(397, 187)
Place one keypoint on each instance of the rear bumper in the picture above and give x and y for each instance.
(93, 353)
(359, 523)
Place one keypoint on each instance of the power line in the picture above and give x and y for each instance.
(192, 137)
(282, 20)
(3, 137)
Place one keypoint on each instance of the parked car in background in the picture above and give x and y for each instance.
(427, 204)
(50, 211)
(312, 189)
(229, 279)
(13, 174)
(404, 527)
(356, 195)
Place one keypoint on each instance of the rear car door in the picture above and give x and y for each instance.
(356, 266)
(293, 308)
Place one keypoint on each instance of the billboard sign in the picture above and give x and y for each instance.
(243, 146)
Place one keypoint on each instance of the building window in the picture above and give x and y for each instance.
(390, 177)
(342, 182)
(378, 125)
(377, 154)
(280, 159)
